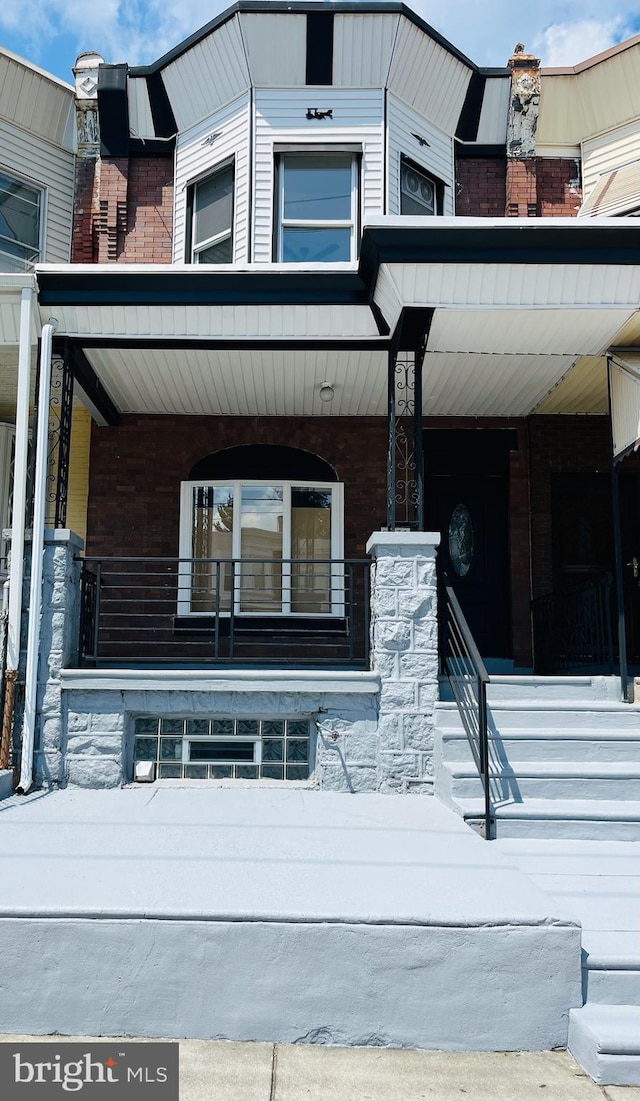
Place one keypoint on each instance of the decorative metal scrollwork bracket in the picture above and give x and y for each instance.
(405, 506)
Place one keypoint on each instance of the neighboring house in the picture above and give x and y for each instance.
(288, 339)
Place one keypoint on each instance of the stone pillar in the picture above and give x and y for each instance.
(58, 648)
(404, 649)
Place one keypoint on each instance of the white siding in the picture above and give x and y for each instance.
(610, 150)
(280, 118)
(51, 168)
(625, 407)
(194, 157)
(495, 106)
(605, 95)
(207, 76)
(428, 77)
(35, 101)
(436, 157)
(140, 119)
(362, 45)
(277, 48)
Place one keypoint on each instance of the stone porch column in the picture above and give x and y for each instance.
(404, 649)
(58, 648)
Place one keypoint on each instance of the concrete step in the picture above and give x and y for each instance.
(524, 745)
(605, 1040)
(522, 686)
(587, 819)
(522, 780)
(561, 715)
(6, 783)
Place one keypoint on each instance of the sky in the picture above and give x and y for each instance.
(50, 33)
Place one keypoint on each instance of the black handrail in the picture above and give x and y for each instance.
(468, 678)
(269, 611)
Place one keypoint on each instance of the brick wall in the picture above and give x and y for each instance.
(559, 186)
(481, 187)
(123, 210)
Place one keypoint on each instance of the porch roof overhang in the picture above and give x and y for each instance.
(509, 309)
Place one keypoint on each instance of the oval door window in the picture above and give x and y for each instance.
(461, 540)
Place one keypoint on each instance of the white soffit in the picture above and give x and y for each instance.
(471, 384)
(625, 403)
(582, 390)
(268, 322)
(563, 333)
(482, 284)
(242, 383)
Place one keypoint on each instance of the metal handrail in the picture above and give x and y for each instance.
(468, 678)
(221, 610)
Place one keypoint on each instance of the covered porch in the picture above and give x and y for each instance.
(253, 427)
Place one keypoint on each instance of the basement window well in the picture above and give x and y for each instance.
(223, 748)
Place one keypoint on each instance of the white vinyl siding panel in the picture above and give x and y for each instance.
(276, 47)
(35, 102)
(140, 118)
(582, 390)
(599, 98)
(607, 151)
(428, 77)
(625, 406)
(51, 169)
(209, 75)
(436, 157)
(195, 159)
(492, 129)
(280, 119)
(362, 46)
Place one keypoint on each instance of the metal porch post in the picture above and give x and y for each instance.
(617, 549)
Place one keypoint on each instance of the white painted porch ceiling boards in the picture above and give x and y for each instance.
(235, 382)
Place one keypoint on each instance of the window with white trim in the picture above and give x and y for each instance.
(317, 207)
(255, 547)
(21, 207)
(420, 193)
(210, 218)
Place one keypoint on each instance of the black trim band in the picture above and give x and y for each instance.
(113, 110)
(481, 152)
(244, 344)
(469, 121)
(89, 382)
(164, 122)
(319, 47)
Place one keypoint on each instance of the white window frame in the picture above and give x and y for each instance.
(192, 186)
(319, 223)
(42, 209)
(336, 553)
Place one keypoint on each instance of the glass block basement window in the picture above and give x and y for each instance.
(224, 749)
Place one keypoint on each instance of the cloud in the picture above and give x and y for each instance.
(568, 43)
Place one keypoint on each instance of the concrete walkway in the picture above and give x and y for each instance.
(224, 1071)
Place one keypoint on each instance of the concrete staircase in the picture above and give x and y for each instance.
(565, 759)
(565, 766)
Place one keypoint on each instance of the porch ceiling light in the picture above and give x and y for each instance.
(326, 391)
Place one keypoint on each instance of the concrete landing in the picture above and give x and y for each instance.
(273, 914)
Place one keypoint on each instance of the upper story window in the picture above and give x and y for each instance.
(210, 218)
(420, 193)
(317, 207)
(20, 224)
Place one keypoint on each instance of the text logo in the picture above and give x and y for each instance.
(118, 1071)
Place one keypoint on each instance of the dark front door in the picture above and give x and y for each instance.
(467, 501)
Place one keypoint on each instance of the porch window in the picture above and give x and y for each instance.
(20, 224)
(420, 193)
(261, 548)
(317, 207)
(210, 218)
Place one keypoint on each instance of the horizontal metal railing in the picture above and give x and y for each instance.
(574, 629)
(468, 678)
(183, 611)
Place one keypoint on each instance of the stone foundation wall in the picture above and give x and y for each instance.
(374, 731)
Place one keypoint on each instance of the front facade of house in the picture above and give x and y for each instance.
(329, 304)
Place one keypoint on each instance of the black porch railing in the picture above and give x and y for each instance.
(198, 612)
(574, 629)
(468, 678)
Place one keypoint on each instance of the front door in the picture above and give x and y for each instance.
(467, 501)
